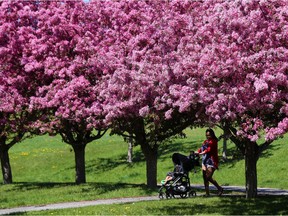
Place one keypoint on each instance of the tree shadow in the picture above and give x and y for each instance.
(138, 156)
(233, 205)
(101, 165)
(269, 151)
(235, 155)
(100, 187)
(165, 151)
(39, 185)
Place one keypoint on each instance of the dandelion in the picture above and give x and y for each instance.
(24, 154)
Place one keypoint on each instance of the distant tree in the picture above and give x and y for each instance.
(130, 149)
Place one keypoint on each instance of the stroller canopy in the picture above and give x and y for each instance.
(186, 163)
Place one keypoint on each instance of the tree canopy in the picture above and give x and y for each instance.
(145, 68)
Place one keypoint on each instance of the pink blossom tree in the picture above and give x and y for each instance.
(68, 101)
(17, 27)
(150, 69)
(139, 52)
(236, 60)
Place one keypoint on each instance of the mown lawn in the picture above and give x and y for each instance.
(191, 206)
(44, 171)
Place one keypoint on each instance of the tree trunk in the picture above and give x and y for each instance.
(79, 151)
(5, 165)
(151, 165)
(251, 158)
(130, 150)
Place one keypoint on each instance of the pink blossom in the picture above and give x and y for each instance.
(260, 85)
(144, 111)
(168, 114)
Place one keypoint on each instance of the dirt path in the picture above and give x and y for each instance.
(261, 191)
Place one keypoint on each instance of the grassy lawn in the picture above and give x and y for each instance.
(44, 172)
(191, 206)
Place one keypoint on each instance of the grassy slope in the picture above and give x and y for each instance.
(43, 169)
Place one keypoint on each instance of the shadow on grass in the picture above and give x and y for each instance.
(166, 150)
(234, 205)
(102, 165)
(99, 188)
(269, 151)
(268, 205)
(25, 186)
(235, 155)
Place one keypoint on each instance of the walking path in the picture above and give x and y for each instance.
(261, 191)
(76, 204)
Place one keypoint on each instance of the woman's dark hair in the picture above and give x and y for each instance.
(212, 133)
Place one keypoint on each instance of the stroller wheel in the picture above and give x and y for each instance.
(169, 196)
(192, 193)
(184, 195)
(161, 192)
(161, 195)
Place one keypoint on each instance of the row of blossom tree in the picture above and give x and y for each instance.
(146, 69)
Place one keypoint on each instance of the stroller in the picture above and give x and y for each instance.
(178, 181)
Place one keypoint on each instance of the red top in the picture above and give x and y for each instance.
(212, 149)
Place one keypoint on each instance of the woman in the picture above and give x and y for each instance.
(209, 152)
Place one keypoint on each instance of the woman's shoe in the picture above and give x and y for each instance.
(220, 192)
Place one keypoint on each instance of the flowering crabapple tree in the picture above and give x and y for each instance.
(16, 84)
(12, 129)
(238, 66)
(141, 39)
(70, 101)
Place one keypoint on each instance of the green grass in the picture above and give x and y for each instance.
(192, 206)
(44, 171)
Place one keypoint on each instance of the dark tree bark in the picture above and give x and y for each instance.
(5, 164)
(150, 154)
(4, 156)
(251, 158)
(79, 151)
(78, 137)
(251, 151)
(149, 135)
